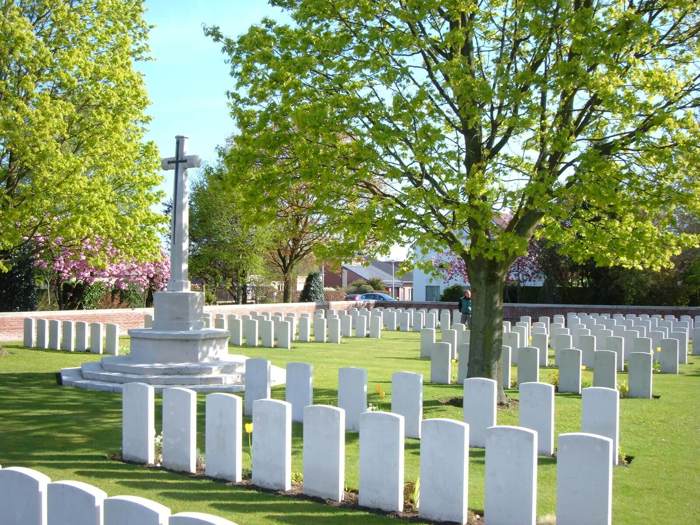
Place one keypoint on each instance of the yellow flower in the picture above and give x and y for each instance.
(249, 428)
(658, 349)
(382, 394)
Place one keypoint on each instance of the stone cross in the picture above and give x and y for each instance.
(180, 241)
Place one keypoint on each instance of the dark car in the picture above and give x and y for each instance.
(376, 296)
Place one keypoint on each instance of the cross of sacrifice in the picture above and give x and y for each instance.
(180, 245)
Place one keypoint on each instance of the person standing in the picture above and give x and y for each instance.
(465, 308)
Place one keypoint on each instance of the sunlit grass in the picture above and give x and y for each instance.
(69, 434)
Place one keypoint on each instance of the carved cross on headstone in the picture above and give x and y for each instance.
(180, 242)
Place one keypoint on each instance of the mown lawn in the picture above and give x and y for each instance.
(70, 434)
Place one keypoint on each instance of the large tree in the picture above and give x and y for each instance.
(228, 244)
(73, 163)
(298, 226)
(580, 118)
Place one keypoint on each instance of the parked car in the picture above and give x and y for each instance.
(376, 296)
(353, 297)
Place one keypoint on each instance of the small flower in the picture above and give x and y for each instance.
(248, 428)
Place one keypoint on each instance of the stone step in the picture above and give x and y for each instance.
(98, 374)
(165, 369)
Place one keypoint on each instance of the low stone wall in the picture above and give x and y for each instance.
(11, 323)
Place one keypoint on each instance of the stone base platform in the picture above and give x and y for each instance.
(222, 375)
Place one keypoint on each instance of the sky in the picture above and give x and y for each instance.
(187, 77)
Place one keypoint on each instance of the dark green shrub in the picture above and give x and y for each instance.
(313, 289)
(452, 293)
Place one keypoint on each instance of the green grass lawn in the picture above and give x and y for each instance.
(69, 434)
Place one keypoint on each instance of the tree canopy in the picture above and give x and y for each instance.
(73, 163)
(578, 120)
(228, 244)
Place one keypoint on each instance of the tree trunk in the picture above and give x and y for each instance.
(487, 280)
(287, 287)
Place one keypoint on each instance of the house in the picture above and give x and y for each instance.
(398, 285)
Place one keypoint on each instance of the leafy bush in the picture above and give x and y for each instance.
(452, 293)
(313, 289)
(360, 286)
(377, 284)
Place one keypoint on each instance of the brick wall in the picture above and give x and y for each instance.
(11, 323)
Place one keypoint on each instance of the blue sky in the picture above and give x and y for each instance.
(187, 77)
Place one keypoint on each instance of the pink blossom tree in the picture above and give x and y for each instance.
(71, 273)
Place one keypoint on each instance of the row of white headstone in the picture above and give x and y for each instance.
(584, 460)
(72, 336)
(600, 412)
(29, 497)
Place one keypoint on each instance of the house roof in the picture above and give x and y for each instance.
(372, 272)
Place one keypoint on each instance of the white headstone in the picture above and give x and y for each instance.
(334, 330)
(375, 327)
(600, 415)
(510, 486)
(23, 496)
(682, 337)
(257, 382)
(224, 437)
(42, 334)
(441, 364)
(617, 344)
(267, 333)
(570, 370)
(537, 413)
(29, 331)
(130, 510)
(381, 461)
(587, 345)
(299, 390)
(272, 444)
(324, 452)
(405, 321)
(68, 336)
(250, 332)
(138, 423)
(639, 374)
(504, 365)
(668, 357)
(584, 479)
(605, 369)
(352, 395)
(112, 339)
(407, 400)
(427, 340)
(235, 330)
(197, 518)
(304, 329)
(345, 326)
(528, 364)
(54, 334)
(449, 335)
(320, 329)
(180, 429)
(462, 361)
(74, 503)
(444, 470)
(479, 408)
(541, 342)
